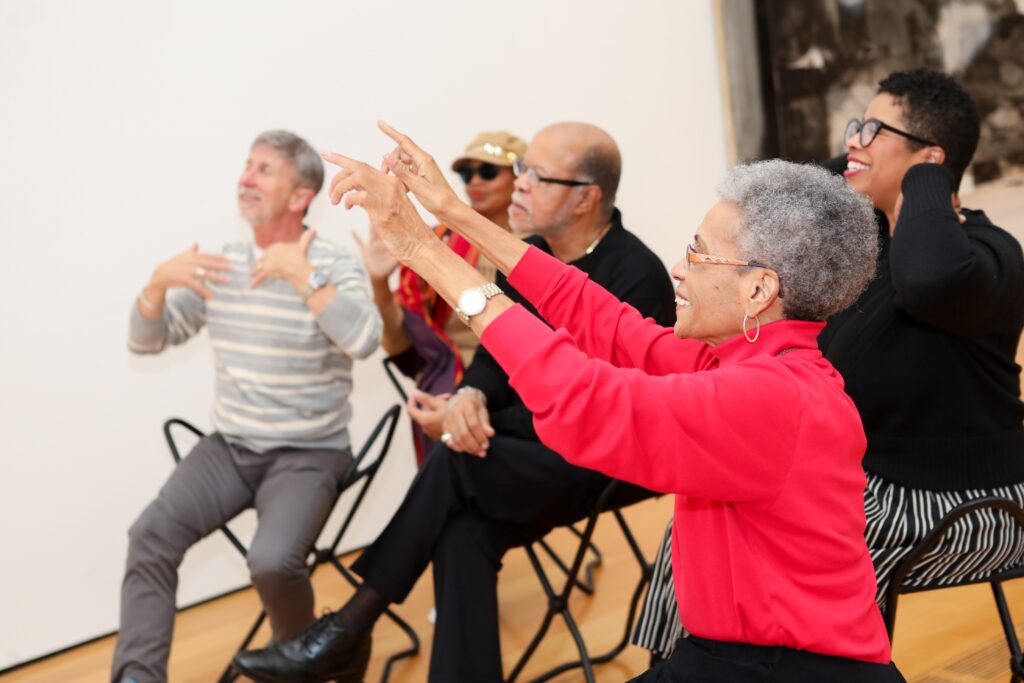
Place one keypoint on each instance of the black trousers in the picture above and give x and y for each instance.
(711, 661)
(463, 513)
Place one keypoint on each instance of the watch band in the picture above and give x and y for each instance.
(317, 280)
(489, 291)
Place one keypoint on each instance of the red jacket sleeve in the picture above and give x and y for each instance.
(602, 326)
(726, 434)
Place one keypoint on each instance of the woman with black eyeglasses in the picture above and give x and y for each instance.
(927, 352)
(421, 335)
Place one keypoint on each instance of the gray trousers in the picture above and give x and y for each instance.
(292, 490)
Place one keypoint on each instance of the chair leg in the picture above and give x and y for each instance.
(229, 673)
(1016, 658)
(549, 614)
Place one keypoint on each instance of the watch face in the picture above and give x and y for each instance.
(317, 279)
(472, 302)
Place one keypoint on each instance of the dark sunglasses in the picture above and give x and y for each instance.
(869, 129)
(485, 171)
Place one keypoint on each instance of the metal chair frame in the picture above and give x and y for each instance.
(361, 472)
(558, 600)
(929, 542)
(585, 584)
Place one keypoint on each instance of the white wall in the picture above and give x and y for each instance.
(123, 126)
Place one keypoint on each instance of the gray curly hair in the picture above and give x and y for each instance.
(812, 228)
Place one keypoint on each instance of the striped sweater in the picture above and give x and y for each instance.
(283, 374)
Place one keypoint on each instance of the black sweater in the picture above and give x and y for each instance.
(620, 263)
(928, 349)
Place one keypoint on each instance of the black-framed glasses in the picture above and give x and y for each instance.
(486, 171)
(521, 170)
(869, 129)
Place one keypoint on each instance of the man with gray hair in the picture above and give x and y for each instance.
(286, 312)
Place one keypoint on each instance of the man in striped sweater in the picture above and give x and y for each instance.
(286, 314)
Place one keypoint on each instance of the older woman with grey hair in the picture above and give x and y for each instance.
(735, 411)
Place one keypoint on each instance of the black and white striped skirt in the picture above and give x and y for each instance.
(897, 519)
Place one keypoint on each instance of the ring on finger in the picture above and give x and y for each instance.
(200, 273)
(446, 437)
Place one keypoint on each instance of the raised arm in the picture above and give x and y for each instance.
(602, 326)
(693, 433)
(958, 277)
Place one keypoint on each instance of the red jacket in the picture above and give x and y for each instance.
(759, 443)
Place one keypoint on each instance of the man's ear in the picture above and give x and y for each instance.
(300, 199)
(591, 199)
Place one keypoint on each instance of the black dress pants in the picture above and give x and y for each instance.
(699, 660)
(463, 513)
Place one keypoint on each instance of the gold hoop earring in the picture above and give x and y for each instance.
(757, 330)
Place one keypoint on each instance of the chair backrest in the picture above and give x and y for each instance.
(389, 368)
(932, 539)
(361, 472)
(364, 467)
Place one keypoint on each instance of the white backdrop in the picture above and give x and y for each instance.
(124, 125)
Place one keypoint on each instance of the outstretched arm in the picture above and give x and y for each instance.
(602, 326)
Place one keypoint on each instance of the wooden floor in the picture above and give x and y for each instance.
(949, 636)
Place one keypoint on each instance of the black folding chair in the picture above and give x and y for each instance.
(897, 585)
(558, 600)
(584, 584)
(360, 473)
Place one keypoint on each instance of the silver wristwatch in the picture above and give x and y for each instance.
(474, 300)
(316, 280)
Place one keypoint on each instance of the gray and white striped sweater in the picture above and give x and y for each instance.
(284, 375)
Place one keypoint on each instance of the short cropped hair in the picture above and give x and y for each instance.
(810, 227)
(603, 167)
(936, 108)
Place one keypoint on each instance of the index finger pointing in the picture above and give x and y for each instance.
(337, 159)
(404, 141)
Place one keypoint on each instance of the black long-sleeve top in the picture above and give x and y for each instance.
(927, 351)
(620, 263)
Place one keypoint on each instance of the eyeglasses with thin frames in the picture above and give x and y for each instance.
(693, 256)
(520, 168)
(869, 129)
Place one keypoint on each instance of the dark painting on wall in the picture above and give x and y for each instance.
(822, 59)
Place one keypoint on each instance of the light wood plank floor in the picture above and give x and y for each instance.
(949, 636)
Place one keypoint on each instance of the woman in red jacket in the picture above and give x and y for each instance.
(735, 411)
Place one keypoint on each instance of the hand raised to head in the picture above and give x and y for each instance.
(418, 171)
(382, 196)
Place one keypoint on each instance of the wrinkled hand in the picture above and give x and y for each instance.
(418, 172)
(189, 269)
(428, 412)
(284, 261)
(382, 196)
(469, 423)
(377, 259)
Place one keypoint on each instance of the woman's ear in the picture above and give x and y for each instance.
(764, 291)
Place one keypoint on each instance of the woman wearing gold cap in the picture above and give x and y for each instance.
(422, 336)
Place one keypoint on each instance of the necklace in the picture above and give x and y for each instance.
(600, 236)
